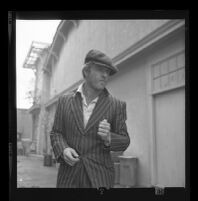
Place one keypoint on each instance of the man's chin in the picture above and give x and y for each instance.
(101, 87)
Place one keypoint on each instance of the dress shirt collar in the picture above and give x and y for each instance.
(79, 90)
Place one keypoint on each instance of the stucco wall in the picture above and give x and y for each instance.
(24, 123)
(50, 113)
(169, 117)
(131, 85)
(39, 90)
(109, 36)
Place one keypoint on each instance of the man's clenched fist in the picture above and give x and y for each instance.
(104, 131)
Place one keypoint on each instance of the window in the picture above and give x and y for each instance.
(168, 73)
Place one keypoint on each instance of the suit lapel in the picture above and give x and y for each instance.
(101, 107)
(76, 107)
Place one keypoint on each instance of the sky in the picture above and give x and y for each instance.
(26, 32)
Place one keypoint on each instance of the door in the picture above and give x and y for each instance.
(169, 120)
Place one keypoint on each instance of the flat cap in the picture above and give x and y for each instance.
(101, 59)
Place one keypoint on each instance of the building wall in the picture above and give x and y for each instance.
(50, 113)
(46, 87)
(169, 112)
(41, 95)
(24, 123)
(35, 135)
(40, 91)
(132, 85)
(41, 143)
(110, 36)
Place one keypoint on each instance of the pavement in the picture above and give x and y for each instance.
(31, 173)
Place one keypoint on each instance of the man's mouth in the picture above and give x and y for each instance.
(102, 81)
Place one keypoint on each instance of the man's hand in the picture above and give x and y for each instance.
(104, 131)
(70, 156)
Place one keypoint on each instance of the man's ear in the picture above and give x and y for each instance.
(86, 71)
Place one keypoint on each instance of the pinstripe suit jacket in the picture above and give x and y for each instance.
(68, 131)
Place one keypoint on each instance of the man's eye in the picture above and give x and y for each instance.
(107, 71)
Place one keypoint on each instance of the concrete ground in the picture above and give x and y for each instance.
(31, 173)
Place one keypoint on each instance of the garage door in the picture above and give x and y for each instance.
(169, 110)
(168, 88)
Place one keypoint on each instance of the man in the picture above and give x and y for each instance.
(88, 124)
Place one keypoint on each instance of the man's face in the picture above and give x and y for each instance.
(97, 77)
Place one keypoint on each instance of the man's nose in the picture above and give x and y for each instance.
(105, 74)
